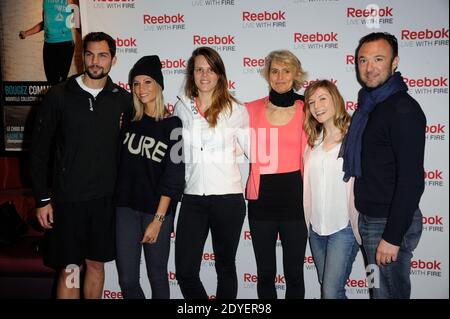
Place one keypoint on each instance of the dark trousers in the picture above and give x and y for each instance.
(57, 60)
(130, 228)
(293, 236)
(224, 216)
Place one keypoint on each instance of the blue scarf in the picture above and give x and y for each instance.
(368, 100)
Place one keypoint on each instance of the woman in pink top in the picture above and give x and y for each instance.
(275, 187)
(328, 200)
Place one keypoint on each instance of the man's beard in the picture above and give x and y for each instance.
(98, 76)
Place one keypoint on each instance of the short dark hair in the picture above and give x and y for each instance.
(374, 36)
(100, 36)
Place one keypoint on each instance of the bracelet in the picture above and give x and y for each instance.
(159, 218)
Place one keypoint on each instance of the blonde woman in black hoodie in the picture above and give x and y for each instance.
(149, 185)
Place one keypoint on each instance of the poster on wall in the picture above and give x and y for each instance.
(323, 34)
(18, 99)
(15, 117)
(39, 48)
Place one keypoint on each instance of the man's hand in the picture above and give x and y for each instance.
(45, 216)
(386, 253)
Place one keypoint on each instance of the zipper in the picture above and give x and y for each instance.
(91, 105)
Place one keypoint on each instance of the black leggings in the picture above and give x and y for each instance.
(224, 215)
(293, 236)
(57, 60)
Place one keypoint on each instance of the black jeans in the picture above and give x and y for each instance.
(293, 236)
(224, 215)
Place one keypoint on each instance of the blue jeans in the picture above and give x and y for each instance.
(334, 256)
(130, 228)
(394, 278)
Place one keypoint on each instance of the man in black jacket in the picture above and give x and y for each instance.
(82, 118)
(385, 152)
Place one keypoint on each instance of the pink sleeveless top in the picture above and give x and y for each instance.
(274, 148)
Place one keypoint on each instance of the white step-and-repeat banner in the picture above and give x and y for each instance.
(324, 35)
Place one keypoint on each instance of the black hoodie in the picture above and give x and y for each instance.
(85, 131)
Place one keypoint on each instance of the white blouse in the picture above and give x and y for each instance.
(329, 203)
(210, 154)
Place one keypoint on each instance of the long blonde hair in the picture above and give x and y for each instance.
(341, 118)
(139, 108)
(221, 98)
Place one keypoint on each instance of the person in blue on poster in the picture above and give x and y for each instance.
(59, 44)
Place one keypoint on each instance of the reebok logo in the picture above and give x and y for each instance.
(425, 34)
(365, 13)
(315, 37)
(163, 19)
(217, 40)
(264, 16)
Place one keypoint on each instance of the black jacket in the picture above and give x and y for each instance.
(392, 158)
(85, 131)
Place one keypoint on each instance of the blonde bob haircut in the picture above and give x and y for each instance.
(161, 111)
(292, 62)
(342, 119)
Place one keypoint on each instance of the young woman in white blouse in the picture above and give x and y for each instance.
(214, 123)
(328, 200)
